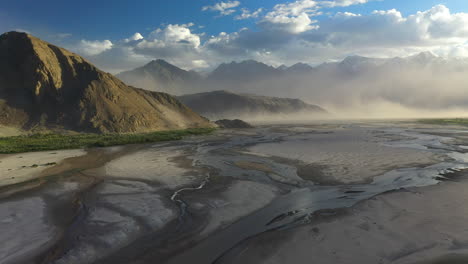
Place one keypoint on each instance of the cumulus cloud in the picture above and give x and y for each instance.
(291, 17)
(288, 33)
(286, 36)
(90, 48)
(176, 43)
(437, 26)
(173, 40)
(176, 34)
(295, 17)
(224, 8)
(135, 37)
(342, 3)
(246, 14)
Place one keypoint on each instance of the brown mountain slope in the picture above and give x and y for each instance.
(42, 85)
(229, 105)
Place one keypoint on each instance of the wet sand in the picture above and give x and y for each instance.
(420, 225)
(351, 155)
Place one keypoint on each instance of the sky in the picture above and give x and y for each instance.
(200, 34)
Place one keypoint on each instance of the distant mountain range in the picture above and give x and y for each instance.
(246, 70)
(44, 86)
(223, 104)
(159, 75)
(414, 82)
(357, 65)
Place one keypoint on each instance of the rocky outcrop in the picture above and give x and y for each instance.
(236, 123)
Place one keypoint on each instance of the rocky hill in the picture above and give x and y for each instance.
(42, 85)
(228, 105)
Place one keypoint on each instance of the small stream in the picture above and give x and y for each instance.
(181, 203)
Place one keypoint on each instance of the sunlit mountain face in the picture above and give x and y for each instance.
(234, 131)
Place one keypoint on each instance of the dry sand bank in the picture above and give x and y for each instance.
(22, 167)
(152, 164)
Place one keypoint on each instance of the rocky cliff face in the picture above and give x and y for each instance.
(42, 85)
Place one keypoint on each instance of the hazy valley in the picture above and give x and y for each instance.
(254, 134)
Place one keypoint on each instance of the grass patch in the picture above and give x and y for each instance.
(46, 142)
(445, 121)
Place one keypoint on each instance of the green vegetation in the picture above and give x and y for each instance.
(44, 142)
(445, 121)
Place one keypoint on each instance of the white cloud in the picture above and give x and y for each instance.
(91, 48)
(246, 14)
(346, 15)
(135, 37)
(174, 43)
(437, 26)
(172, 35)
(200, 64)
(224, 8)
(291, 24)
(295, 17)
(288, 34)
(342, 3)
(295, 8)
(169, 40)
(291, 17)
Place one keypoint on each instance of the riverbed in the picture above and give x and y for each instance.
(272, 194)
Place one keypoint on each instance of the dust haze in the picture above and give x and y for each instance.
(419, 86)
(385, 91)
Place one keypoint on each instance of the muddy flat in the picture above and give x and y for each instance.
(272, 194)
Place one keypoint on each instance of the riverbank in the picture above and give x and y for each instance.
(47, 142)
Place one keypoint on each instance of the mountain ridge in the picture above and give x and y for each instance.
(172, 79)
